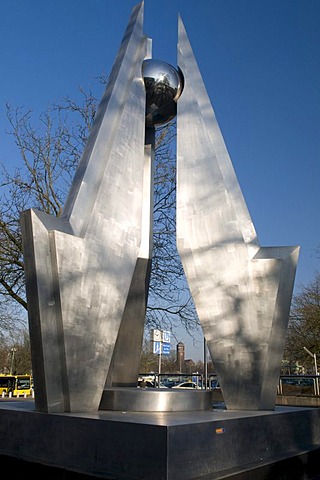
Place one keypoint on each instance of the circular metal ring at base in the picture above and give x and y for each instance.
(155, 400)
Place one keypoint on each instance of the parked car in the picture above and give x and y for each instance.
(215, 384)
(145, 384)
(169, 383)
(187, 385)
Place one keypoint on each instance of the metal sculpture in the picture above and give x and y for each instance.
(242, 292)
(87, 273)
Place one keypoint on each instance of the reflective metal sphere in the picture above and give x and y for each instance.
(164, 85)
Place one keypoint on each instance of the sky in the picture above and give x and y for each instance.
(260, 61)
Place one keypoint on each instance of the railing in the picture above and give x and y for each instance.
(299, 385)
(307, 385)
(171, 379)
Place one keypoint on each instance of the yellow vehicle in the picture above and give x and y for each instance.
(16, 385)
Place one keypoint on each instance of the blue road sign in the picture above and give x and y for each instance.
(157, 347)
(166, 349)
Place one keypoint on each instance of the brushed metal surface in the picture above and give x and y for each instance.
(155, 400)
(242, 292)
(124, 367)
(79, 269)
(164, 85)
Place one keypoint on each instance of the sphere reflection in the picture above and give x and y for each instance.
(164, 86)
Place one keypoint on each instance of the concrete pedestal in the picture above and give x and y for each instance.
(211, 444)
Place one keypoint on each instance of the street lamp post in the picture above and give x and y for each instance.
(13, 351)
(159, 366)
(314, 356)
(205, 363)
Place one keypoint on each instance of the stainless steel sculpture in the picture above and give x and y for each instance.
(242, 292)
(164, 85)
(87, 273)
(84, 269)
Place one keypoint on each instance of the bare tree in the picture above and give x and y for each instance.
(49, 154)
(15, 355)
(170, 302)
(304, 325)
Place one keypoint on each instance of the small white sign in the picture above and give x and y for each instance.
(166, 336)
(156, 335)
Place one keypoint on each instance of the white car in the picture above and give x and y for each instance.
(187, 385)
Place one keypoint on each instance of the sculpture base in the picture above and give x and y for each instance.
(156, 400)
(215, 444)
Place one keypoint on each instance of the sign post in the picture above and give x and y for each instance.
(161, 345)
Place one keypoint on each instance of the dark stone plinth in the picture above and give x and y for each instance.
(157, 446)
